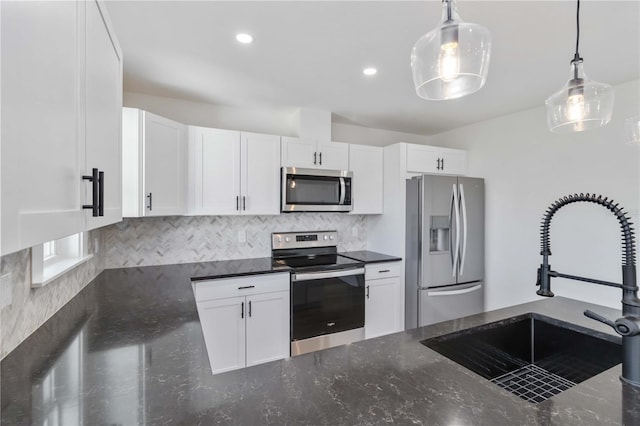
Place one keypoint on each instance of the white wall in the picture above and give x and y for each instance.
(526, 167)
(282, 121)
(294, 122)
(369, 136)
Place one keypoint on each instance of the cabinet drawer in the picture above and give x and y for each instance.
(375, 271)
(246, 285)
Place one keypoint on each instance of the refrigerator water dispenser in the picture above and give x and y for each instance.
(439, 241)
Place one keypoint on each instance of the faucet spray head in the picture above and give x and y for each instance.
(544, 281)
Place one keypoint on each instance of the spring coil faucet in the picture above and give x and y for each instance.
(629, 325)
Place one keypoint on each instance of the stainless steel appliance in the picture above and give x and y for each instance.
(444, 270)
(327, 290)
(314, 190)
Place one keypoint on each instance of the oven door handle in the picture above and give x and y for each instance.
(310, 276)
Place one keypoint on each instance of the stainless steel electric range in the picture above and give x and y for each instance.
(327, 290)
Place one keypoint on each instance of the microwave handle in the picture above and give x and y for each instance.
(343, 191)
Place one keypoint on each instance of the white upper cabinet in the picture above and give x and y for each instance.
(436, 160)
(299, 152)
(309, 153)
(233, 173)
(260, 168)
(214, 171)
(56, 119)
(333, 155)
(366, 163)
(103, 116)
(154, 169)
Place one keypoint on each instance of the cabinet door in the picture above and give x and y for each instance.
(268, 336)
(299, 153)
(366, 163)
(423, 159)
(260, 179)
(214, 171)
(103, 115)
(454, 161)
(382, 308)
(223, 327)
(164, 147)
(41, 151)
(333, 155)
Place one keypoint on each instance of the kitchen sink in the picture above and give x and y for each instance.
(532, 356)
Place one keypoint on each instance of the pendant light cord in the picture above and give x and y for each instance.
(577, 57)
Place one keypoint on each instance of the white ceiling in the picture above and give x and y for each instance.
(311, 54)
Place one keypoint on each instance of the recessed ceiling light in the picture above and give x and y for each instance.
(244, 38)
(369, 71)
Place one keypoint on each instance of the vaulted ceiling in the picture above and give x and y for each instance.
(311, 54)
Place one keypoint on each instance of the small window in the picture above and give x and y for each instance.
(54, 258)
(49, 250)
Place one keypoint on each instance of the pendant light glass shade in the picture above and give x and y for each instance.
(632, 130)
(581, 104)
(452, 60)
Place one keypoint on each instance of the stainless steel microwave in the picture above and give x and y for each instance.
(316, 190)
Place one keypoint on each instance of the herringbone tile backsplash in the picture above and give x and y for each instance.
(182, 239)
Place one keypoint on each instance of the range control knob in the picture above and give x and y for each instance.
(326, 237)
(287, 239)
(279, 239)
(331, 237)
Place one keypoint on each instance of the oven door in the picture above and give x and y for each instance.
(326, 302)
(316, 190)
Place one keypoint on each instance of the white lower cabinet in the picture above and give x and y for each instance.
(382, 299)
(223, 327)
(245, 320)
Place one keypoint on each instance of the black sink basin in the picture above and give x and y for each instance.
(532, 356)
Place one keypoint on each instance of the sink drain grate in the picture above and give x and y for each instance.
(532, 383)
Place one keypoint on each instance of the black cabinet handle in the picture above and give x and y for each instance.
(150, 197)
(237, 202)
(249, 307)
(442, 162)
(382, 271)
(367, 292)
(242, 310)
(94, 179)
(321, 159)
(101, 193)
(244, 202)
(315, 154)
(246, 287)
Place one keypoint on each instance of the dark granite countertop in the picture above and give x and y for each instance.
(129, 350)
(369, 256)
(231, 268)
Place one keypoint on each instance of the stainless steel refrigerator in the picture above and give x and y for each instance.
(444, 265)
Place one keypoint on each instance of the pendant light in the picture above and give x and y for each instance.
(451, 60)
(581, 104)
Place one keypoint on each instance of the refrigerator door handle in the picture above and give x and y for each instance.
(463, 204)
(451, 213)
(456, 207)
(454, 292)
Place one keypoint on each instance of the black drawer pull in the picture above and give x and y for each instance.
(384, 270)
(246, 287)
(95, 188)
(100, 193)
(242, 310)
